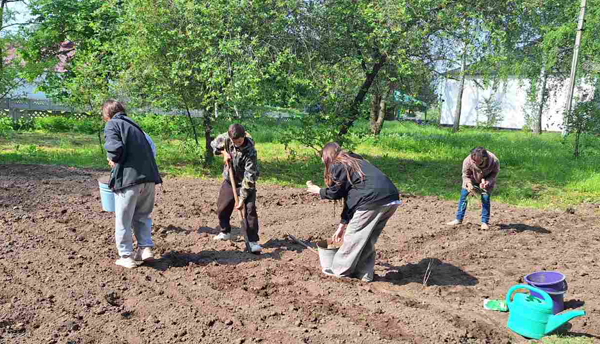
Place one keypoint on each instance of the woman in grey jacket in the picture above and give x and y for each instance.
(133, 177)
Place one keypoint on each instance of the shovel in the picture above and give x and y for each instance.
(244, 225)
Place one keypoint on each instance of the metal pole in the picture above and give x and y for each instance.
(565, 130)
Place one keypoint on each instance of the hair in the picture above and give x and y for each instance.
(236, 131)
(332, 154)
(112, 107)
(479, 153)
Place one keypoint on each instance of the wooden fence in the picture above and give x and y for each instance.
(19, 108)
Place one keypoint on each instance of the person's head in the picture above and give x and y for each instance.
(237, 134)
(110, 108)
(480, 156)
(331, 154)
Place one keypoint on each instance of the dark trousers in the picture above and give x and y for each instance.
(226, 205)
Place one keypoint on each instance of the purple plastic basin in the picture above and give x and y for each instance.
(552, 282)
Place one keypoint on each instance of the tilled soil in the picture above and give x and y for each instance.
(59, 283)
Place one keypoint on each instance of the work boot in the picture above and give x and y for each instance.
(454, 222)
(143, 254)
(485, 226)
(223, 236)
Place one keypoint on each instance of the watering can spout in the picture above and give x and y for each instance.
(556, 321)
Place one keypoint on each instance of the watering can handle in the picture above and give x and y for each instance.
(511, 291)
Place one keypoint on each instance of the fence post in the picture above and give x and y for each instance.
(13, 112)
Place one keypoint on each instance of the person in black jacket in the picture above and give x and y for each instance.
(370, 199)
(133, 177)
(237, 148)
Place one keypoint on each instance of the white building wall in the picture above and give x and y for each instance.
(511, 96)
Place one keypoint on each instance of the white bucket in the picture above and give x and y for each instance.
(107, 197)
(326, 254)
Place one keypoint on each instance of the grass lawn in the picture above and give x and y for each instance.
(557, 339)
(536, 171)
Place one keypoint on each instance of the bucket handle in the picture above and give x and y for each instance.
(511, 291)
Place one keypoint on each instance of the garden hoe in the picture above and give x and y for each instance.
(244, 224)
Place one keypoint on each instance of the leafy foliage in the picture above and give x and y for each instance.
(73, 45)
(492, 110)
(584, 119)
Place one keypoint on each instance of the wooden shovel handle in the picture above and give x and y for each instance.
(235, 196)
(303, 244)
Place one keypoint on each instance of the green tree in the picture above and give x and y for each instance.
(12, 67)
(353, 44)
(204, 56)
(539, 48)
(71, 44)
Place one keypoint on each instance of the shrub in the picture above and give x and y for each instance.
(88, 126)
(24, 123)
(54, 123)
(6, 125)
(168, 126)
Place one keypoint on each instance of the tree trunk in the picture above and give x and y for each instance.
(380, 118)
(360, 97)
(461, 89)
(576, 152)
(189, 115)
(542, 100)
(100, 142)
(2, 6)
(208, 155)
(375, 100)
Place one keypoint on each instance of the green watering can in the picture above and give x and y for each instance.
(531, 317)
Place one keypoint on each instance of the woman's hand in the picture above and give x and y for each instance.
(312, 188)
(339, 234)
(110, 163)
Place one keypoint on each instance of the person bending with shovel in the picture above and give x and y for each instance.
(240, 174)
(479, 171)
(370, 200)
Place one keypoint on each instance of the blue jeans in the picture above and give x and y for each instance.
(485, 206)
(133, 206)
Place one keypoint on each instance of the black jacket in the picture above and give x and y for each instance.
(244, 162)
(127, 147)
(375, 190)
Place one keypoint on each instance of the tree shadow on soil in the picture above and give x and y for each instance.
(208, 230)
(179, 259)
(171, 229)
(440, 274)
(519, 227)
(287, 245)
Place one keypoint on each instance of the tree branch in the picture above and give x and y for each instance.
(16, 24)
